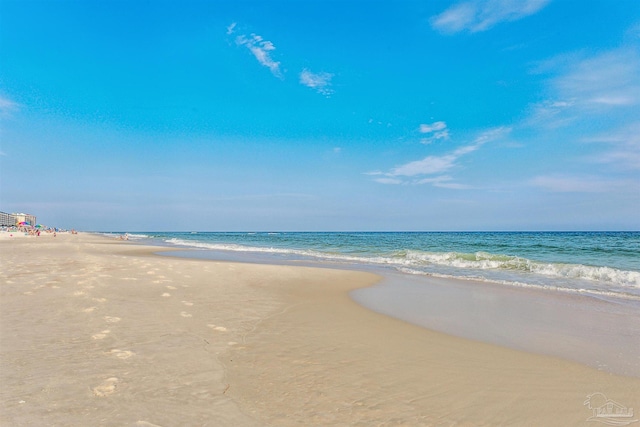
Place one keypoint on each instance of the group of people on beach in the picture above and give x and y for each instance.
(28, 230)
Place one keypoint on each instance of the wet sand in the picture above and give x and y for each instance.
(99, 332)
(598, 332)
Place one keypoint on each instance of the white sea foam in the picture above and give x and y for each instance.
(480, 265)
(137, 236)
(486, 261)
(234, 247)
(514, 283)
(131, 236)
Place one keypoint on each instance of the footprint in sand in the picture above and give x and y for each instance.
(89, 309)
(171, 287)
(99, 299)
(107, 387)
(110, 319)
(166, 294)
(79, 293)
(185, 314)
(122, 354)
(217, 328)
(187, 303)
(102, 335)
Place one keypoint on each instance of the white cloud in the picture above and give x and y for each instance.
(434, 165)
(7, 106)
(438, 164)
(393, 181)
(453, 186)
(444, 181)
(480, 15)
(436, 136)
(435, 180)
(427, 166)
(584, 87)
(436, 131)
(321, 82)
(623, 147)
(550, 114)
(607, 80)
(592, 99)
(433, 127)
(261, 49)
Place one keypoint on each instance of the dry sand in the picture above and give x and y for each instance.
(100, 332)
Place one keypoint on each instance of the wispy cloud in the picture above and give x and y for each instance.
(592, 99)
(433, 127)
(611, 79)
(321, 82)
(583, 87)
(263, 49)
(417, 172)
(622, 148)
(388, 180)
(260, 48)
(7, 106)
(585, 90)
(437, 164)
(444, 181)
(434, 132)
(480, 15)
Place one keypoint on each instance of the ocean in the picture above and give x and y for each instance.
(600, 264)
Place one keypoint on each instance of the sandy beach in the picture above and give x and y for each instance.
(96, 331)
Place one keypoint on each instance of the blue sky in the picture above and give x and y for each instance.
(321, 115)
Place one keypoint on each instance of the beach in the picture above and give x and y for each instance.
(97, 331)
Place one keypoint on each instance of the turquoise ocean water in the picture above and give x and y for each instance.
(599, 264)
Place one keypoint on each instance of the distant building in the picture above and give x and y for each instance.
(23, 217)
(7, 220)
(12, 219)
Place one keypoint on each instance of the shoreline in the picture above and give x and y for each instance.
(585, 328)
(98, 329)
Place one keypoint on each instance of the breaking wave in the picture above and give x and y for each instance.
(479, 265)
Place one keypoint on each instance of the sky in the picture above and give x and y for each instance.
(380, 115)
